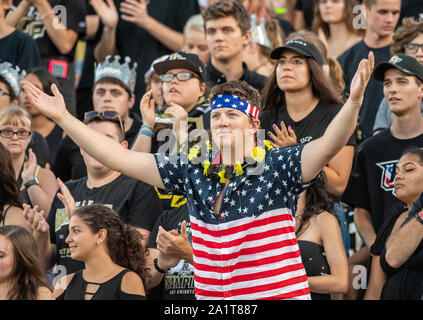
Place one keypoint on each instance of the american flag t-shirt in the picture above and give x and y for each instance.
(248, 250)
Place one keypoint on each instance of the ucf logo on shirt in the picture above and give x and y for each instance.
(388, 175)
(32, 24)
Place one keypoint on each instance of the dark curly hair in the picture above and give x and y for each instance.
(9, 188)
(27, 275)
(406, 32)
(123, 240)
(318, 199)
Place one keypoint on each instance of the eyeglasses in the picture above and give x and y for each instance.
(104, 115)
(181, 76)
(21, 134)
(4, 93)
(413, 47)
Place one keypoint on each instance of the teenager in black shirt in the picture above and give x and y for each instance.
(113, 90)
(227, 27)
(112, 253)
(381, 17)
(136, 202)
(56, 25)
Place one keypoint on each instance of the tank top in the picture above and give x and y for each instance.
(315, 263)
(109, 290)
(3, 216)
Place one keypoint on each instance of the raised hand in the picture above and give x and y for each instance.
(180, 124)
(135, 11)
(284, 137)
(66, 198)
(361, 78)
(29, 167)
(107, 12)
(52, 107)
(147, 109)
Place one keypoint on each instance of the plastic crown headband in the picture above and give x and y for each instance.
(258, 32)
(13, 75)
(114, 69)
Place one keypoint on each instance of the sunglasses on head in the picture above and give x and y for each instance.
(104, 115)
(181, 76)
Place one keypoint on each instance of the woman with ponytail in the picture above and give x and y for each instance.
(113, 255)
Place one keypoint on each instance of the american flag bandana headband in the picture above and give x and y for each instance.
(235, 102)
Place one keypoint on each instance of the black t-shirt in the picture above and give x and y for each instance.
(215, 77)
(71, 13)
(307, 7)
(371, 184)
(20, 50)
(410, 8)
(311, 127)
(141, 46)
(40, 147)
(406, 281)
(68, 163)
(373, 95)
(178, 282)
(136, 203)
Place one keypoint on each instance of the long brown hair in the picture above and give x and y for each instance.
(123, 241)
(322, 87)
(335, 69)
(348, 18)
(9, 188)
(27, 275)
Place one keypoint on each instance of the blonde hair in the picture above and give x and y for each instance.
(15, 116)
(196, 22)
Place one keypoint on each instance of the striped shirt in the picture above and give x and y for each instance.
(248, 250)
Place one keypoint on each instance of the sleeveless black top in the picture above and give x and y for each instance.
(315, 264)
(109, 290)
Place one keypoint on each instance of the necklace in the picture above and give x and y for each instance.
(211, 169)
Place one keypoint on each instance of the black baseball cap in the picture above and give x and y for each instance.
(404, 63)
(181, 60)
(305, 48)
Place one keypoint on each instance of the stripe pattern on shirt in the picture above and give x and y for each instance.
(255, 257)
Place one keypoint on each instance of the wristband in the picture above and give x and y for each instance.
(146, 132)
(147, 126)
(419, 216)
(156, 266)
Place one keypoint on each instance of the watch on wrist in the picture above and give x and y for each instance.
(32, 182)
(419, 216)
(156, 266)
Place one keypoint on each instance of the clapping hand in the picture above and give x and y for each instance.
(284, 137)
(66, 198)
(29, 167)
(135, 11)
(36, 219)
(107, 12)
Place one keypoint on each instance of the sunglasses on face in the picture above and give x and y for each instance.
(181, 76)
(413, 47)
(21, 134)
(113, 116)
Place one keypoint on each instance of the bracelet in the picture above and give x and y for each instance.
(419, 216)
(147, 126)
(156, 266)
(146, 132)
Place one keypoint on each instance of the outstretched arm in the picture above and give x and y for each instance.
(141, 166)
(317, 153)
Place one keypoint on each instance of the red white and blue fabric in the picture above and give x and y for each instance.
(248, 250)
(235, 102)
